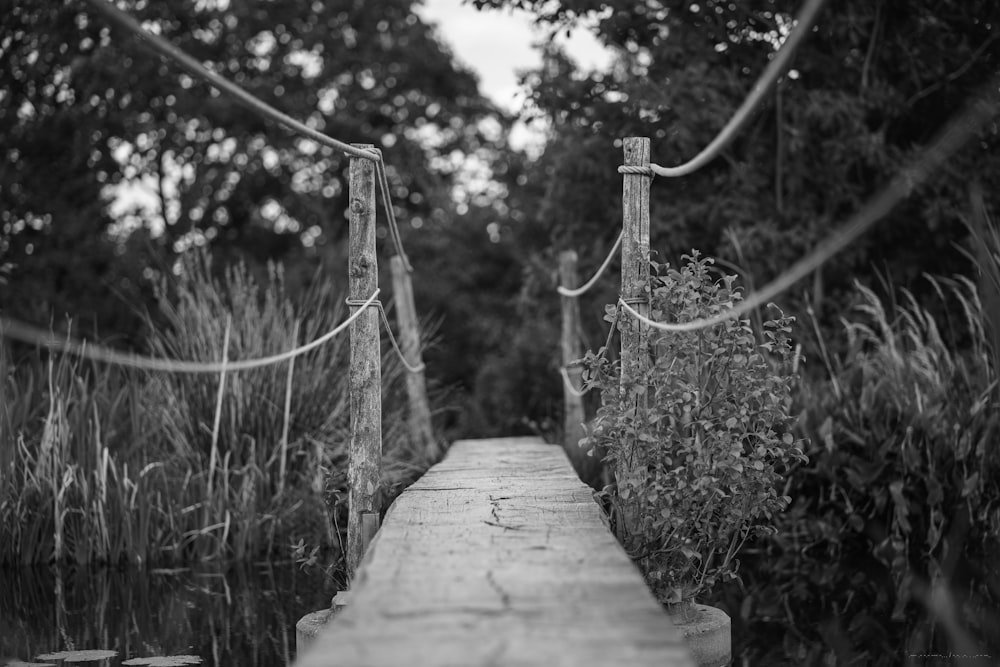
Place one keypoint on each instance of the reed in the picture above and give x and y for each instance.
(103, 464)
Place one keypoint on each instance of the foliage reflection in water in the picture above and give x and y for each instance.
(243, 615)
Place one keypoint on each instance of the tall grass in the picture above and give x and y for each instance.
(105, 464)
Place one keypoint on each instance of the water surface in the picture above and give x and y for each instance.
(243, 615)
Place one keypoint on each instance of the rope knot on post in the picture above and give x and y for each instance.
(377, 303)
(637, 170)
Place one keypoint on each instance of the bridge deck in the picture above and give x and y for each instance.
(498, 556)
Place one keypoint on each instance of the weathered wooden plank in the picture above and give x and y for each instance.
(498, 555)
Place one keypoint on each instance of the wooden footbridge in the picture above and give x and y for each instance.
(498, 555)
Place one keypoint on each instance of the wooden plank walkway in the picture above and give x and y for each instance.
(498, 555)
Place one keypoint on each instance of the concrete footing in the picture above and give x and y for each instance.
(309, 625)
(708, 633)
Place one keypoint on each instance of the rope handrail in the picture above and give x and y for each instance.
(419, 368)
(804, 22)
(568, 384)
(193, 67)
(390, 212)
(27, 333)
(960, 129)
(583, 289)
(583, 391)
(196, 69)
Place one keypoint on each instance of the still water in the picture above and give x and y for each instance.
(241, 616)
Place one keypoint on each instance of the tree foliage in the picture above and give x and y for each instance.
(88, 114)
(868, 88)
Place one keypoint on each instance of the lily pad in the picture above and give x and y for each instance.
(19, 663)
(165, 661)
(78, 656)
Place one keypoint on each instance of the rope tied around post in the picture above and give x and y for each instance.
(637, 170)
(960, 129)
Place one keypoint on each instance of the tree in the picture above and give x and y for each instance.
(87, 114)
(868, 88)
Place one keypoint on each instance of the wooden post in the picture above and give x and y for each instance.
(364, 468)
(369, 527)
(409, 342)
(573, 413)
(635, 283)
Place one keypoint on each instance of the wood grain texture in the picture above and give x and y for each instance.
(364, 467)
(498, 555)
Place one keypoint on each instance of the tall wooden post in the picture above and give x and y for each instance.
(409, 342)
(635, 283)
(364, 470)
(573, 413)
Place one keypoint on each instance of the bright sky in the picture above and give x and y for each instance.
(496, 44)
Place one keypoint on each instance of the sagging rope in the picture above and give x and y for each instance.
(390, 212)
(600, 355)
(196, 69)
(568, 384)
(960, 129)
(583, 289)
(36, 336)
(419, 368)
(804, 23)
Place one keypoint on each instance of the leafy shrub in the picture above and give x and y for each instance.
(702, 439)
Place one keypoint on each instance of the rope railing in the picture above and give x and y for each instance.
(568, 384)
(769, 77)
(196, 69)
(192, 66)
(27, 333)
(959, 130)
(964, 126)
(412, 368)
(583, 289)
(255, 104)
(390, 211)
